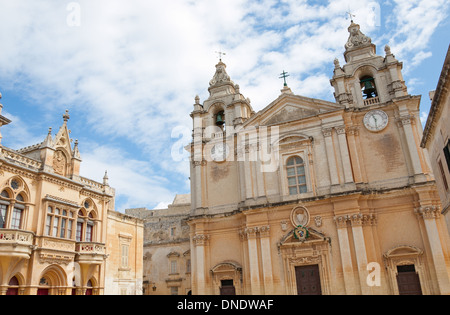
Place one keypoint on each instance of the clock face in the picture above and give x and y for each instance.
(376, 120)
(219, 152)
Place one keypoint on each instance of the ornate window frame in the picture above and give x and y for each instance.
(227, 270)
(291, 145)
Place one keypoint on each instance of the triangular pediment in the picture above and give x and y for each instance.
(290, 112)
(313, 236)
(62, 140)
(290, 107)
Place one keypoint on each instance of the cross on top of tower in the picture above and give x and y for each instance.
(350, 15)
(284, 75)
(221, 54)
(66, 116)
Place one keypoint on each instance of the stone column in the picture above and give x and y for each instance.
(429, 215)
(193, 262)
(352, 132)
(361, 253)
(343, 147)
(406, 122)
(200, 241)
(266, 259)
(255, 282)
(327, 134)
(344, 247)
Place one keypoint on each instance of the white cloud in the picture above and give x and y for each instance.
(136, 183)
(423, 118)
(131, 71)
(421, 56)
(162, 205)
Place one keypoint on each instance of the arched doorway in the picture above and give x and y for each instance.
(13, 288)
(53, 281)
(89, 288)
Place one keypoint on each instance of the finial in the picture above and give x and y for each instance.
(387, 49)
(105, 179)
(336, 63)
(284, 75)
(197, 100)
(0, 95)
(50, 130)
(66, 116)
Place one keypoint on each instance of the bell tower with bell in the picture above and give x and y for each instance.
(374, 94)
(366, 79)
(215, 123)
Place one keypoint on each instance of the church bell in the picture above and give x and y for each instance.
(369, 87)
(219, 119)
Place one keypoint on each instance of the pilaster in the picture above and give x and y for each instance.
(331, 158)
(346, 259)
(343, 148)
(200, 242)
(264, 233)
(430, 214)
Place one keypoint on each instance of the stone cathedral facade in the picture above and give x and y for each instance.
(314, 197)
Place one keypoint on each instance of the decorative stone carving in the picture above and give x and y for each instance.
(341, 221)
(428, 212)
(327, 132)
(357, 38)
(201, 239)
(318, 221)
(300, 216)
(59, 163)
(340, 130)
(221, 75)
(264, 231)
(353, 130)
(356, 219)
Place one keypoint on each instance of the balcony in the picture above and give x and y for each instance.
(372, 101)
(16, 243)
(90, 253)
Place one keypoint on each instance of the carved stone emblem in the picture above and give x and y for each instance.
(300, 216)
(59, 163)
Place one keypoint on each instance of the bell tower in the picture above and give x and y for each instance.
(373, 86)
(366, 79)
(215, 123)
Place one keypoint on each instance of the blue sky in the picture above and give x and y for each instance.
(128, 71)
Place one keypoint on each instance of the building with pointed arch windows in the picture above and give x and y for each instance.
(59, 233)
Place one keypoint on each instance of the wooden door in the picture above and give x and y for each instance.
(227, 288)
(408, 281)
(308, 280)
(43, 292)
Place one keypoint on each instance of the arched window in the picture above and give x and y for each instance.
(4, 204)
(85, 226)
(59, 222)
(296, 176)
(17, 215)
